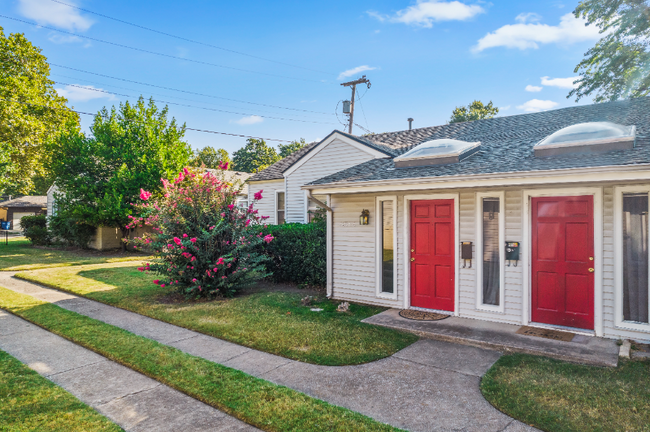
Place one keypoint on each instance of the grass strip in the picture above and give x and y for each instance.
(258, 402)
(30, 402)
(274, 322)
(557, 396)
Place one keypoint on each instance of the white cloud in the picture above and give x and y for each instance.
(248, 120)
(425, 13)
(535, 105)
(79, 93)
(46, 12)
(528, 17)
(532, 88)
(354, 71)
(505, 108)
(527, 35)
(565, 83)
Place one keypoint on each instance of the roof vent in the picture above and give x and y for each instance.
(410, 120)
(587, 138)
(437, 152)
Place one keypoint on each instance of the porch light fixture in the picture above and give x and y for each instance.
(364, 219)
(588, 137)
(437, 152)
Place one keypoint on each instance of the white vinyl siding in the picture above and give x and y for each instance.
(266, 206)
(334, 157)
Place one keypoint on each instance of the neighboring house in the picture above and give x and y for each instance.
(534, 219)
(16, 208)
(283, 200)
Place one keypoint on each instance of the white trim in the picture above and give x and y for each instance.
(379, 247)
(334, 136)
(251, 182)
(501, 196)
(275, 207)
(407, 244)
(330, 251)
(305, 209)
(526, 248)
(573, 175)
(618, 257)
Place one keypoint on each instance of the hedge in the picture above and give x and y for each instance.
(35, 229)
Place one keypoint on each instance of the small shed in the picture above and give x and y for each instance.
(16, 208)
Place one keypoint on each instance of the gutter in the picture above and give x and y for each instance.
(329, 241)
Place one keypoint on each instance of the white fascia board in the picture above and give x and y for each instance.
(376, 154)
(265, 181)
(572, 175)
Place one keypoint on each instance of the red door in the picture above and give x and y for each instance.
(432, 254)
(562, 261)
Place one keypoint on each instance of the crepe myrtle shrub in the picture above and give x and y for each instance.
(204, 245)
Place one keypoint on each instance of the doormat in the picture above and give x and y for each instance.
(421, 315)
(546, 333)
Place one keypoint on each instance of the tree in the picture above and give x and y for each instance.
(474, 111)
(255, 156)
(211, 158)
(132, 147)
(618, 66)
(31, 113)
(292, 147)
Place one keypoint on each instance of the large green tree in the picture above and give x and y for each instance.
(211, 158)
(618, 66)
(31, 114)
(131, 148)
(292, 147)
(474, 111)
(255, 156)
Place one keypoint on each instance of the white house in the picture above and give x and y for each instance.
(534, 219)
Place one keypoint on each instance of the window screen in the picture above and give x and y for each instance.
(635, 257)
(491, 259)
(280, 208)
(387, 247)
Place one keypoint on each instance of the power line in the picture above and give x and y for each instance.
(191, 106)
(186, 39)
(158, 53)
(186, 91)
(186, 128)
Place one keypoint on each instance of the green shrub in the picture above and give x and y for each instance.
(35, 229)
(298, 253)
(70, 230)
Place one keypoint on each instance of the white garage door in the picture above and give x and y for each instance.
(17, 216)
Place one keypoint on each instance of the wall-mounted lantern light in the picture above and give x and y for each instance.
(364, 219)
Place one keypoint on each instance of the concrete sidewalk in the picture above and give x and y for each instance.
(132, 400)
(428, 386)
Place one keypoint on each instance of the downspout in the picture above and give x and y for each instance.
(329, 242)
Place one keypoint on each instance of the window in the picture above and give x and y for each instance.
(279, 207)
(386, 212)
(587, 138)
(635, 257)
(436, 152)
(490, 251)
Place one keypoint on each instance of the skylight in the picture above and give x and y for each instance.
(436, 152)
(587, 138)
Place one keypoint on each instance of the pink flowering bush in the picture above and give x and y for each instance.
(204, 244)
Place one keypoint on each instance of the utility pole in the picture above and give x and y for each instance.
(353, 84)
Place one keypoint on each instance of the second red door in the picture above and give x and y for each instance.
(432, 254)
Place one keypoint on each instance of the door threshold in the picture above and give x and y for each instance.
(575, 330)
(450, 313)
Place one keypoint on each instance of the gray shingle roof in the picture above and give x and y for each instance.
(507, 144)
(26, 201)
(275, 171)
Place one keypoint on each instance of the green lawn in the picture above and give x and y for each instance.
(29, 402)
(558, 396)
(268, 406)
(19, 255)
(274, 322)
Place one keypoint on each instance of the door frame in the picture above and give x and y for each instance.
(407, 244)
(597, 194)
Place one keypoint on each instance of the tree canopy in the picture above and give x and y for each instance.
(255, 156)
(474, 111)
(618, 66)
(132, 147)
(31, 113)
(211, 158)
(292, 147)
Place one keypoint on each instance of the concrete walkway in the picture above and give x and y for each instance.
(132, 400)
(428, 386)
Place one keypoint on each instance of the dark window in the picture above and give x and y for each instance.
(635, 257)
(387, 237)
(280, 208)
(491, 259)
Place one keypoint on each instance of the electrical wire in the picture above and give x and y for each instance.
(186, 128)
(191, 106)
(364, 113)
(188, 40)
(159, 53)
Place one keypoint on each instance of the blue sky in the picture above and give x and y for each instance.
(423, 58)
